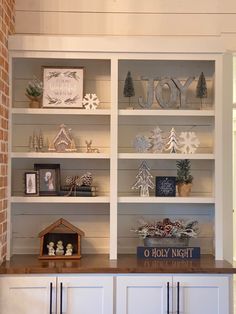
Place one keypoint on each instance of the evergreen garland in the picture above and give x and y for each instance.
(128, 87)
(201, 91)
(184, 171)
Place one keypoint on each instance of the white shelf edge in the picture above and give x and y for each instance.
(167, 112)
(61, 111)
(167, 200)
(59, 199)
(60, 155)
(164, 156)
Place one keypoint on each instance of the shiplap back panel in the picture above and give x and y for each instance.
(202, 172)
(28, 220)
(120, 17)
(149, 6)
(96, 77)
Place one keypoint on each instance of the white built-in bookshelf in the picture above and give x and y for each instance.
(107, 219)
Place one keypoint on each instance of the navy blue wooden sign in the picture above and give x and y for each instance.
(168, 252)
(165, 186)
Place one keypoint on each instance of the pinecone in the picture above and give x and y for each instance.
(87, 179)
(69, 180)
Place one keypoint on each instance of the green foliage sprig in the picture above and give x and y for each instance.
(34, 88)
(184, 171)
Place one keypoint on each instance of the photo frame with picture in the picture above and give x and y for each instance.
(48, 178)
(63, 87)
(31, 183)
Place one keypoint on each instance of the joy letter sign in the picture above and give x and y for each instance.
(177, 90)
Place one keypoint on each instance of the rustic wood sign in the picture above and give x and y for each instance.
(168, 252)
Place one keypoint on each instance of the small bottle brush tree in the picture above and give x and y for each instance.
(184, 177)
(128, 87)
(201, 91)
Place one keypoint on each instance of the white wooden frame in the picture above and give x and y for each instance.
(62, 87)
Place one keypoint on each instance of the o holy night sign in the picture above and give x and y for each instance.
(168, 252)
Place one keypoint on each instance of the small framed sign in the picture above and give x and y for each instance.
(165, 186)
(63, 87)
(31, 183)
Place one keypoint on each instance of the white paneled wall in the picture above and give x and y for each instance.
(121, 17)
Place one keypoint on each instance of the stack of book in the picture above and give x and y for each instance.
(82, 190)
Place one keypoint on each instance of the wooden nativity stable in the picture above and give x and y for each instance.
(61, 230)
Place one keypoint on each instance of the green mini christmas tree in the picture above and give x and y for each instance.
(129, 87)
(184, 171)
(201, 91)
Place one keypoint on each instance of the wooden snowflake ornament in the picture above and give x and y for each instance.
(90, 101)
(189, 142)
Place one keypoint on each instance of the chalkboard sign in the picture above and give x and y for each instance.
(165, 186)
(168, 252)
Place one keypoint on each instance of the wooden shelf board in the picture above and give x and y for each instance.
(167, 200)
(164, 156)
(60, 199)
(61, 111)
(167, 112)
(60, 155)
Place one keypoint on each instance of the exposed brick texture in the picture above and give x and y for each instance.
(7, 23)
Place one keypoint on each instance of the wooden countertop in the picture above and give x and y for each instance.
(29, 264)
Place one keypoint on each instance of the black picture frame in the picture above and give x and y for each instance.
(165, 186)
(31, 183)
(48, 178)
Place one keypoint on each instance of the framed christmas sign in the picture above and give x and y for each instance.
(63, 87)
(165, 186)
(31, 183)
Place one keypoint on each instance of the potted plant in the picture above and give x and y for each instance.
(34, 92)
(167, 232)
(184, 178)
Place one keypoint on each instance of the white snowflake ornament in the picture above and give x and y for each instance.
(189, 142)
(142, 143)
(90, 101)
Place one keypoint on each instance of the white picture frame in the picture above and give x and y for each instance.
(63, 87)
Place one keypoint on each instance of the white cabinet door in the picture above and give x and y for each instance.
(27, 295)
(143, 294)
(201, 294)
(85, 295)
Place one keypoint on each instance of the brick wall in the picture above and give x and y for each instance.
(7, 21)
